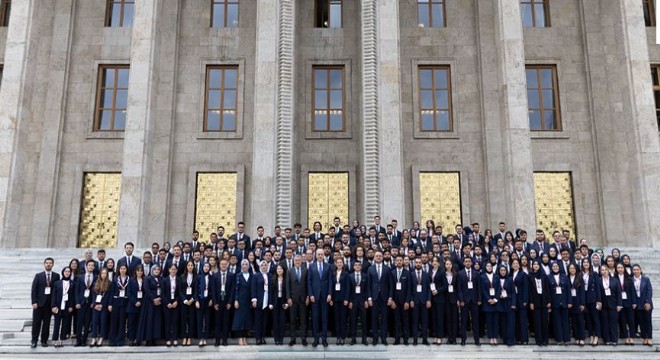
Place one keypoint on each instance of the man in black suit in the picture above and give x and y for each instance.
(358, 302)
(223, 293)
(401, 300)
(380, 229)
(317, 234)
(379, 296)
(42, 288)
(296, 295)
(241, 235)
(129, 260)
(469, 299)
(194, 243)
(177, 260)
(502, 231)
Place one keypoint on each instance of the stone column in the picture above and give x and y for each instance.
(516, 143)
(263, 172)
(371, 137)
(50, 148)
(13, 117)
(140, 118)
(389, 107)
(285, 106)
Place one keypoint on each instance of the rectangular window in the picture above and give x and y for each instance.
(5, 9)
(535, 13)
(328, 98)
(435, 98)
(440, 198)
(99, 210)
(543, 97)
(215, 202)
(649, 12)
(655, 74)
(553, 193)
(221, 98)
(119, 13)
(328, 13)
(111, 98)
(327, 197)
(224, 13)
(431, 13)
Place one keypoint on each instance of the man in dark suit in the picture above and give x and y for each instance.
(424, 242)
(129, 260)
(318, 289)
(42, 288)
(460, 235)
(502, 231)
(358, 302)
(84, 302)
(240, 235)
(194, 243)
(469, 299)
(401, 297)
(177, 260)
(540, 245)
(380, 229)
(565, 261)
(379, 296)
(420, 303)
(317, 234)
(222, 288)
(100, 261)
(298, 299)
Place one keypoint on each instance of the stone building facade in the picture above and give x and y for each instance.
(601, 53)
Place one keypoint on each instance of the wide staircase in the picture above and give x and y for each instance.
(18, 266)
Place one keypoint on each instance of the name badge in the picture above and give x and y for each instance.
(337, 287)
(265, 287)
(608, 292)
(65, 297)
(99, 298)
(450, 288)
(639, 293)
(624, 295)
(86, 294)
(47, 291)
(470, 285)
(432, 286)
(222, 288)
(172, 296)
(504, 295)
(358, 290)
(586, 287)
(279, 294)
(122, 293)
(419, 288)
(158, 292)
(539, 290)
(398, 285)
(188, 290)
(206, 293)
(558, 290)
(139, 294)
(573, 292)
(491, 292)
(516, 288)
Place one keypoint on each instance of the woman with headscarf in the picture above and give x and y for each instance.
(151, 319)
(242, 303)
(62, 304)
(539, 302)
(490, 294)
(506, 307)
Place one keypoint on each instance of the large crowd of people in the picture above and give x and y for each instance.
(357, 283)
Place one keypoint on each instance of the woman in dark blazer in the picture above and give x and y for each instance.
(627, 326)
(134, 307)
(490, 294)
(521, 288)
(278, 304)
(62, 304)
(560, 288)
(151, 318)
(578, 309)
(188, 282)
(118, 307)
(643, 304)
(591, 298)
(506, 307)
(203, 303)
(242, 303)
(539, 302)
(610, 305)
(101, 300)
(438, 285)
(171, 302)
(338, 298)
(451, 305)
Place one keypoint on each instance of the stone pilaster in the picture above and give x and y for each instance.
(263, 172)
(389, 106)
(140, 118)
(285, 106)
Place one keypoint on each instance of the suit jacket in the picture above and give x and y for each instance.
(39, 285)
(169, 296)
(343, 293)
(296, 290)
(318, 285)
(543, 298)
(81, 286)
(379, 289)
(205, 283)
(440, 281)
(314, 237)
(465, 294)
(564, 299)
(579, 298)
(273, 296)
(591, 293)
(487, 294)
(645, 293)
(504, 304)
(614, 299)
(258, 288)
(135, 261)
(180, 266)
(58, 293)
(403, 294)
(133, 289)
(424, 295)
(116, 289)
(425, 247)
(216, 288)
(521, 288)
(353, 295)
(545, 249)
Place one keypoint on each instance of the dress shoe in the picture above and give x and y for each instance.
(315, 343)
(384, 342)
(477, 343)
(375, 342)
(462, 342)
(224, 342)
(353, 342)
(34, 344)
(304, 342)
(217, 342)
(405, 342)
(338, 342)
(425, 342)
(397, 342)
(325, 343)
(292, 342)
(364, 341)
(414, 341)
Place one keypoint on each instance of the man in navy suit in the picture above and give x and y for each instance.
(194, 243)
(540, 245)
(240, 235)
(318, 288)
(379, 296)
(222, 288)
(358, 302)
(129, 260)
(469, 299)
(317, 234)
(401, 297)
(380, 229)
(42, 288)
(421, 302)
(84, 302)
(424, 241)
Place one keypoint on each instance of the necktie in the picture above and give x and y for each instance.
(289, 265)
(378, 271)
(129, 261)
(419, 276)
(320, 270)
(298, 274)
(469, 276)
(47, 280)
(88, 282)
